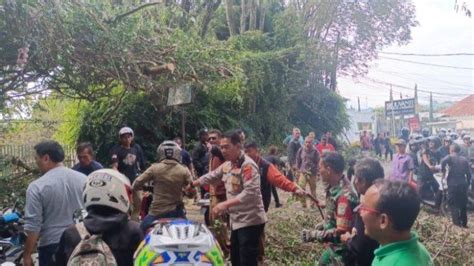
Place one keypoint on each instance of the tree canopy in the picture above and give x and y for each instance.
(260, 65)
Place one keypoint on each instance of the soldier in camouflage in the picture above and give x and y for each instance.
(340, 202)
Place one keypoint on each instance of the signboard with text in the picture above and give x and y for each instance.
(400, 107)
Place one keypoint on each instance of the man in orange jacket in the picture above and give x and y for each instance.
(269, 176)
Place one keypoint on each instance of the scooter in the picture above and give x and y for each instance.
(12, 237)
(178, 242)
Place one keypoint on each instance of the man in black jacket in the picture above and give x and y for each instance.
(360, 246)
(106, 217)
(458, 179)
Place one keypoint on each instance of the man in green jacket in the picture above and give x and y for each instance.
(388, 211)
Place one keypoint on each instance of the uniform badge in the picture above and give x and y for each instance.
(341, 208)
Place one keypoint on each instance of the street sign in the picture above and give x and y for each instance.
(400, 107)
(181, 94)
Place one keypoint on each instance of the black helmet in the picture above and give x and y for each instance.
(425, 132)
(453, 135)
(405, 132)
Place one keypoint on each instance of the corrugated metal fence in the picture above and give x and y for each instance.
(25, 154)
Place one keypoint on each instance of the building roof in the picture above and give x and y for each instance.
(465, 107)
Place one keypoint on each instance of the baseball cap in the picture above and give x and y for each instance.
(125, 130)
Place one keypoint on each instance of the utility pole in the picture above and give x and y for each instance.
(402, 117)
(393, 115)
(358, 103)
(416, 98)
(431, 111)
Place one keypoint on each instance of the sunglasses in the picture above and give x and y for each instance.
(360, 208)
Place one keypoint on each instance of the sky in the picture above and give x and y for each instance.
(441, 30)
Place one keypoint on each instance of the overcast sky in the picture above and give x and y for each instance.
(441, 30)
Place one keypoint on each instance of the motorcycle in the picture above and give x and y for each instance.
(443, 189)
(12, 237)
(178, 242)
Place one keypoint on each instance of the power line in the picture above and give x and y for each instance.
(411, 89)
(456, 86)
(421, 54)
(423, 63)
(444, 75)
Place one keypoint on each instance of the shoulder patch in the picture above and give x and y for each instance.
(247, 172)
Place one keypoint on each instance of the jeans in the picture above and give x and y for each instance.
(457, 199)
(149, 219)
(244, 245)
(46, 254)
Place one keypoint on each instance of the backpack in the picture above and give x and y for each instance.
(91, 251)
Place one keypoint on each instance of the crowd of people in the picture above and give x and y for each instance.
(380, 144)
(367, 220)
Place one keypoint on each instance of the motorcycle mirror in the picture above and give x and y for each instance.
(79, 215)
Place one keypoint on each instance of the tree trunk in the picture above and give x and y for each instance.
(252, 8)
(333, 84)
(243, 16)
(229, 12)
(211, 7)
(261, 23)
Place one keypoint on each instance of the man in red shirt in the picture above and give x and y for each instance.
(324, 146)
(269, 175)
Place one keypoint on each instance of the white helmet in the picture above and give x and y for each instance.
(172, 242)
(108, 187)
(169, 150)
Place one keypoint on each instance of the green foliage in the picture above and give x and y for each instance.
(122, 57)
(50, 118)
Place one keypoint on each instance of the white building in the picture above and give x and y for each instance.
(360, 121)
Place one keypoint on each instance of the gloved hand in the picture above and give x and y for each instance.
(307, 235)
(319, 226)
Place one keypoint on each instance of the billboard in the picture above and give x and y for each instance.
(400, 107)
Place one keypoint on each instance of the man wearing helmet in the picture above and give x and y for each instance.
(405, 134)
(425, 132)
(444, 150)
(169, 178)
(428, 186)
(467, 150)
(107, 200)
(127, 157)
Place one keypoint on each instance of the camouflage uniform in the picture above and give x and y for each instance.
(340, 203)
